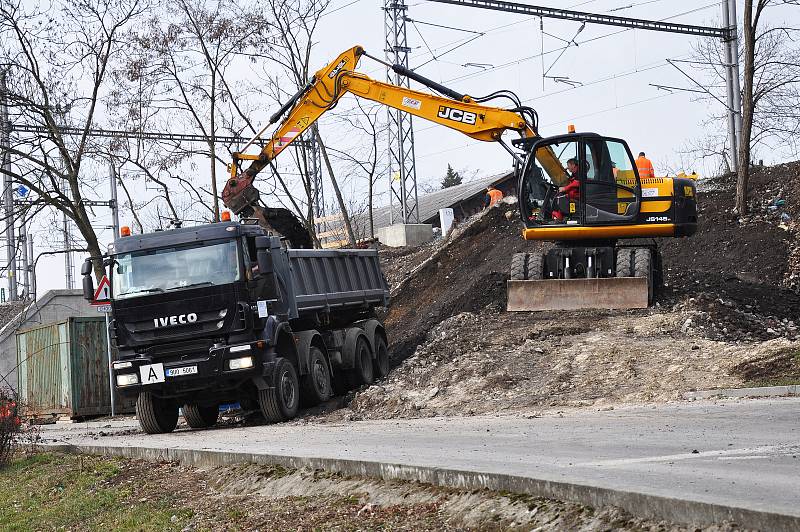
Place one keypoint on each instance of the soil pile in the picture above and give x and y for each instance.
(728, 316)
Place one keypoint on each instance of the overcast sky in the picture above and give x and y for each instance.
(613, 69)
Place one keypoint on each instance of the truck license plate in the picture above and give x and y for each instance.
(185, 370)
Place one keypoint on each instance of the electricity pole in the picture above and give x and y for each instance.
(8, 198)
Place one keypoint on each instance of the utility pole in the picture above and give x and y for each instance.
(114, 203)
(69, 271)
(32, 265)
(401, 132)
(730, 74)
(8, 198)
(23, 245)
(737, 90)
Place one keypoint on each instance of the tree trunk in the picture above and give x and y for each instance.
(345, 217)
(743, 172)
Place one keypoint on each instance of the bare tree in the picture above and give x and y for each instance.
(58, 60)
(763, 81)
(289, 46)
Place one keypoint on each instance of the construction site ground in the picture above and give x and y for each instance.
(728, 316)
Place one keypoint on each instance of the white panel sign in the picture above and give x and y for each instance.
(446, 218)
(152, 373)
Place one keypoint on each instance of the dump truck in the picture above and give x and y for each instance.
(226, 313)
(593, 264)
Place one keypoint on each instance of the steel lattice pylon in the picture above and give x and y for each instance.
(402, 168)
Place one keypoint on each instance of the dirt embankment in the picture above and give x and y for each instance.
(729, 315)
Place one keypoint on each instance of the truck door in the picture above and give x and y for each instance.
(612, 191)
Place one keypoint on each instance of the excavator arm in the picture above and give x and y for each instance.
(455, 111)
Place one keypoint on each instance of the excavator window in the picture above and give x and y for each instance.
(544, 202)
(611, 182)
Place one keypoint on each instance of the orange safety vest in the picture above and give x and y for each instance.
(645, 168)
(494, 196)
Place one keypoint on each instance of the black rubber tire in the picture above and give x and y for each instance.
(381, 361)
(624, 262)
(316, 385)
(200, 417)
(535, 266)
(362, 372)
(156, 415)
(643, 267)
(282, 401)
(519, 266)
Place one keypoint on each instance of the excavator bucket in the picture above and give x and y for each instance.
(570, 294)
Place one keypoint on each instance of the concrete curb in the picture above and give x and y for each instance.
(638, 504)
(736, 393)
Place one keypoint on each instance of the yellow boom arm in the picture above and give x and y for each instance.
(329, 84)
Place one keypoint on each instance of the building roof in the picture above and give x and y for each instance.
(429, 204)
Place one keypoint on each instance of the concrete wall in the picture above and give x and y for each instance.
(400, 235)
(55, 305)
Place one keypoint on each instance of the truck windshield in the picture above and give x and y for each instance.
(166, 269)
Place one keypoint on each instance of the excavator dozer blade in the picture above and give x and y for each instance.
(569, 294)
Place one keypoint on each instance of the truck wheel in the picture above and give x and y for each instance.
(156, 415)
(362, 370)
(200, 417)
(624, 262)
(381, 362)
(316, 386)
(535, 266)
(519, 266)
(643, 267)
(282, 400)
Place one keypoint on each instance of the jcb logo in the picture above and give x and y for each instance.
(457, 115)
(337, 68)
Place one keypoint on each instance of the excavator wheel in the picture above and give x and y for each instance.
(519, 267)
(535, 264)
(624, 262)
(643, 267)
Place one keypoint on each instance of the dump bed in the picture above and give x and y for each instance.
(331, 279)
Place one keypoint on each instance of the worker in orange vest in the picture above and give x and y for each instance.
(644, 166)
(492, 196)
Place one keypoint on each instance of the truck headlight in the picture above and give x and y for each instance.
(128, 379)
(239, 348)
(240, 363)
(122, 365)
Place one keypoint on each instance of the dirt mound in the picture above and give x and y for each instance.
(466, 276)
(728, 316)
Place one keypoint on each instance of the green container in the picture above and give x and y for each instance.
(63, 370)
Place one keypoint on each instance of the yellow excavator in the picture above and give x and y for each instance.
(581, 191)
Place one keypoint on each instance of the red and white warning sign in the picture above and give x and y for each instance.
(102, 296)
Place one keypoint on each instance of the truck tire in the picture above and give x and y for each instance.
(643, 267)
(281, 401)
(316, 385)
(381, 361)
(535, 265)
(519, 267)
(200, 417)
(362, 372)
(624, 262)
(156, 415)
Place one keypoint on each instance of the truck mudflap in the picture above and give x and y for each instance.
(573, 294)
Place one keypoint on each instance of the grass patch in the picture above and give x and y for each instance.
(54, 491)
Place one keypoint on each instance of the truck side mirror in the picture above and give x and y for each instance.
(265, 266)
(88, 287)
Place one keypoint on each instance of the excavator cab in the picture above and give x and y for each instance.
(599, 174)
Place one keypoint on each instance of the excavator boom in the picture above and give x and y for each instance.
(329, 84)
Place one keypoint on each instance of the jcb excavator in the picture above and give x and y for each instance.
(588, 267)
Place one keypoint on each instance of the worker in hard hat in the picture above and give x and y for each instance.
(644, 166)
(492, 196)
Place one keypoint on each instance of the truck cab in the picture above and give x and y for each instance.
(224, 313)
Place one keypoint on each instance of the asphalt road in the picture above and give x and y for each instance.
(739, 453)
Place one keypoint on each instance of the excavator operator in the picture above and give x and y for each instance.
(570, 190)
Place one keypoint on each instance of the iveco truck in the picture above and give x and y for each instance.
(224, 313)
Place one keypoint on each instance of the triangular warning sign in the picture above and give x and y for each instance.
(103, 293)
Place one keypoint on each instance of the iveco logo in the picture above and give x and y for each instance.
(180, 319)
